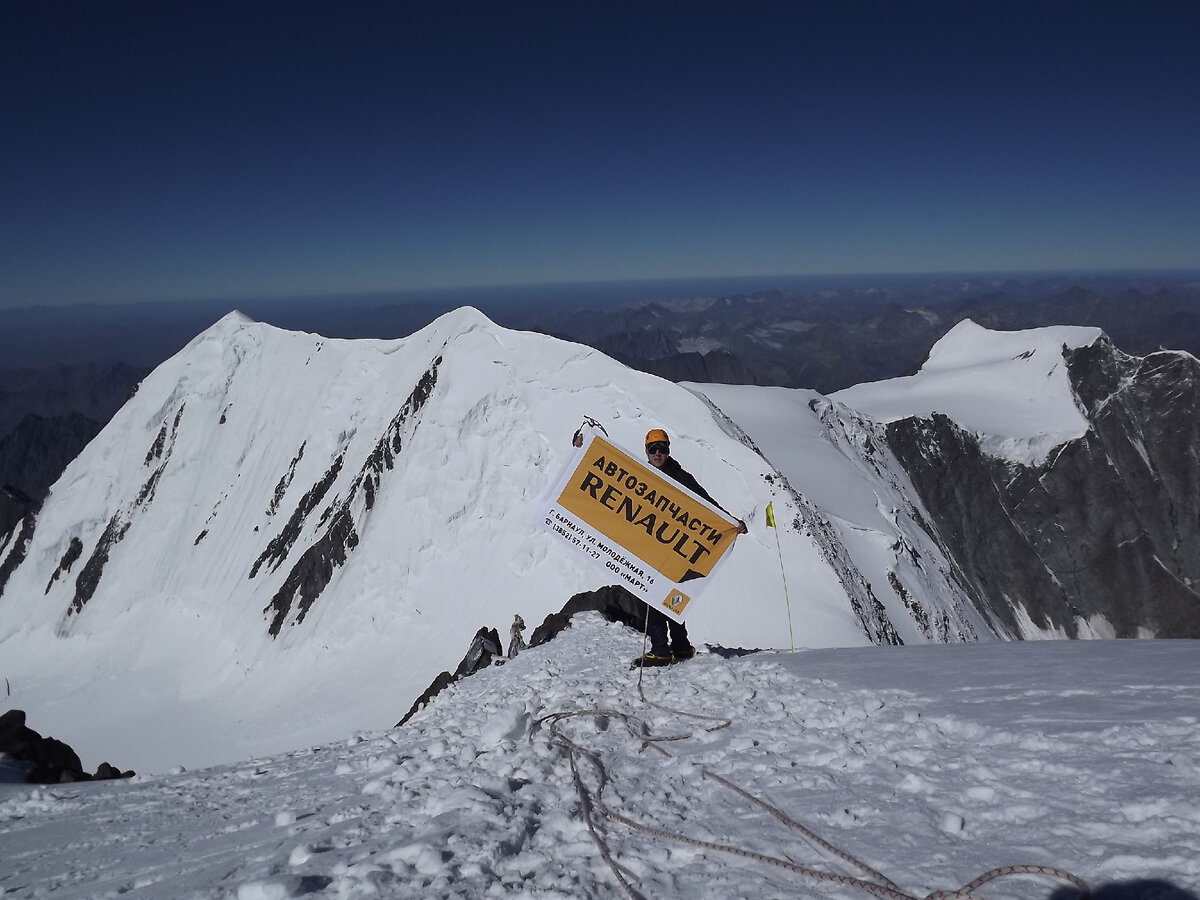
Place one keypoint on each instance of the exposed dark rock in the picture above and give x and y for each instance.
(614, 602)
(156, 448)
(49, 761)
(17, 547)
(485, 647)
(106, 772)
(313, 571)
(440, 683)
(73, 552)
(1108, 525)
(120, 522)
(824, 337)
(280, 545)
(159, 447)
(89, 577)
(33, 456)
(16, 495)
(286, 481)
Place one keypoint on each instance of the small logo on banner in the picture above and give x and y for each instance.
(676, 601)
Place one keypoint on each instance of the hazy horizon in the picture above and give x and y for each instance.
(637, 289)
(143, 333)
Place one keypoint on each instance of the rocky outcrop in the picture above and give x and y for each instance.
(485, 647)
(46, 760)
(1103, 538)
(15, 544)
(32, 457)
(156, 460)
(612, 601)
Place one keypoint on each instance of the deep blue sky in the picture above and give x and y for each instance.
(167, 150)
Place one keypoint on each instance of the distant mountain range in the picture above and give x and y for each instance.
(823, 334)
(835, 338)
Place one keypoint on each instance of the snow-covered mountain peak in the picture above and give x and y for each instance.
(970, 345)
(302, 532)
(320, 526)
(233, 319)
(1010, 388)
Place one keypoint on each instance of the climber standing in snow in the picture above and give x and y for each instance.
(662, 651)
(516, 641)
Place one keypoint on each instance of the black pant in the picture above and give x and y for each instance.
(657, 625)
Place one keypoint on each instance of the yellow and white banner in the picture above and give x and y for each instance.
(657, 538)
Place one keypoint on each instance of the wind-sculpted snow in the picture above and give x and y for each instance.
(277, 519)
(282, 518)
(928, 765)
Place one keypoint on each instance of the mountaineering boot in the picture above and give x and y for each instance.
(652, 659)
(681, 653)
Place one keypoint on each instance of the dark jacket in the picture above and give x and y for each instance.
(680, 475)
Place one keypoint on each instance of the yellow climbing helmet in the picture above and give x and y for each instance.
(655, 436)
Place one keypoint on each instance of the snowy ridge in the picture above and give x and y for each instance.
(853, 498)
(276, 520)
(930, 764)
(283, 538)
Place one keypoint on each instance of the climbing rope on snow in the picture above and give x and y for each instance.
(721, 721)
(868, 880)
(593, 799)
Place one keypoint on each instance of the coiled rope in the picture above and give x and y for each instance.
(868, 880)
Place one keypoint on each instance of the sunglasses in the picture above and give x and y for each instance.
(658, 447)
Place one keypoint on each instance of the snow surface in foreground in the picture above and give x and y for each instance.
(931, 764)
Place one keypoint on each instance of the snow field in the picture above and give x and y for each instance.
(931, 765)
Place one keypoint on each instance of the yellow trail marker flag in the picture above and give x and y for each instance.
(661, 541)
(782, 574)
